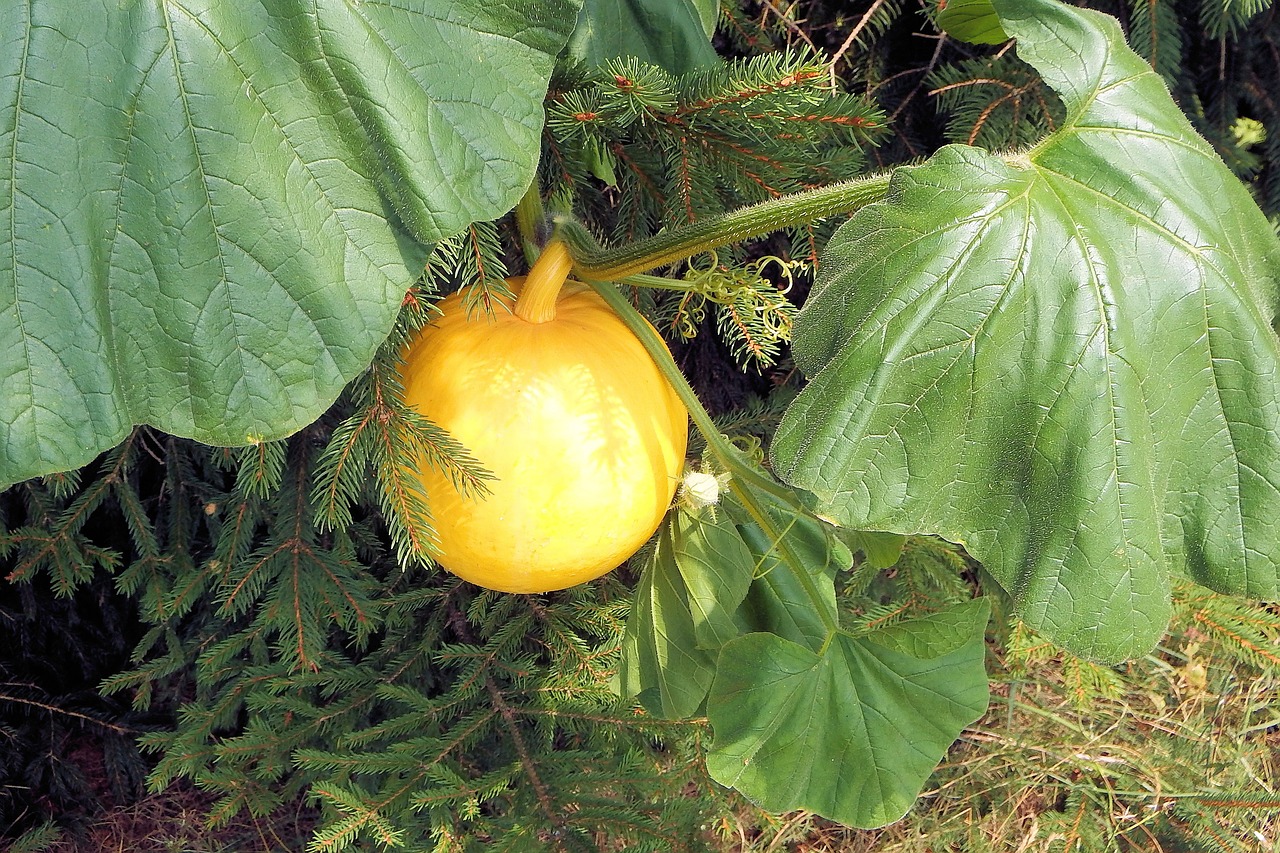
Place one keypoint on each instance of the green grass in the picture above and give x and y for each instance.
(1178, 751)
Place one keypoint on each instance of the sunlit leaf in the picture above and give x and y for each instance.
(778, 602)
(974, 21)
(712, 577)
(716, 568)
(1063, 358)
(852, 731)
(211, 211)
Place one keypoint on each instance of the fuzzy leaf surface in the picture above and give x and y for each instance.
(211, 211)
(1064, 360)
(851, 731)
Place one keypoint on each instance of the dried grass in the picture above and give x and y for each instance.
(174, 821)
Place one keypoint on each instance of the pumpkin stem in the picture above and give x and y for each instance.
(537, 302)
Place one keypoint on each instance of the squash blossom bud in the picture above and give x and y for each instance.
(702, 489)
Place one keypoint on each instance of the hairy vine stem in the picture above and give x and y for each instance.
(531, 222)
(595, 263)
(599, 267)
(729, 457)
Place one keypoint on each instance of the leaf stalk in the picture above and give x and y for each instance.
(599, 266)
(595, 263)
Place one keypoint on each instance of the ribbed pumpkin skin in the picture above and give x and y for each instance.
(585, 436)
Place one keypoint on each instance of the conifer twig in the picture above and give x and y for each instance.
(459, 624)
(853, 35)
(55, 709)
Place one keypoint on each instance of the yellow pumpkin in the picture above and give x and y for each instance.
(560, 401)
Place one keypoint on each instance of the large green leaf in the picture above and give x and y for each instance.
(712, 577)
(716, 568)
(673, 34)
(212, 210)
(972, 21)
(663, 664)
(1063, 359)
(853, 730)
(777, 602)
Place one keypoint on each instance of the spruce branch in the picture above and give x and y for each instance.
(261, 468)
(679, 149)
(386, 435)
(359, 819)
(1243, 630)
(472, 261)
(62, 484)
(879, 15)
(998, 103)
(579, 115)
(32, 696)
(1228, 17)
(639, 90)
(54, 541)
(1155, 32)
(758, 80)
